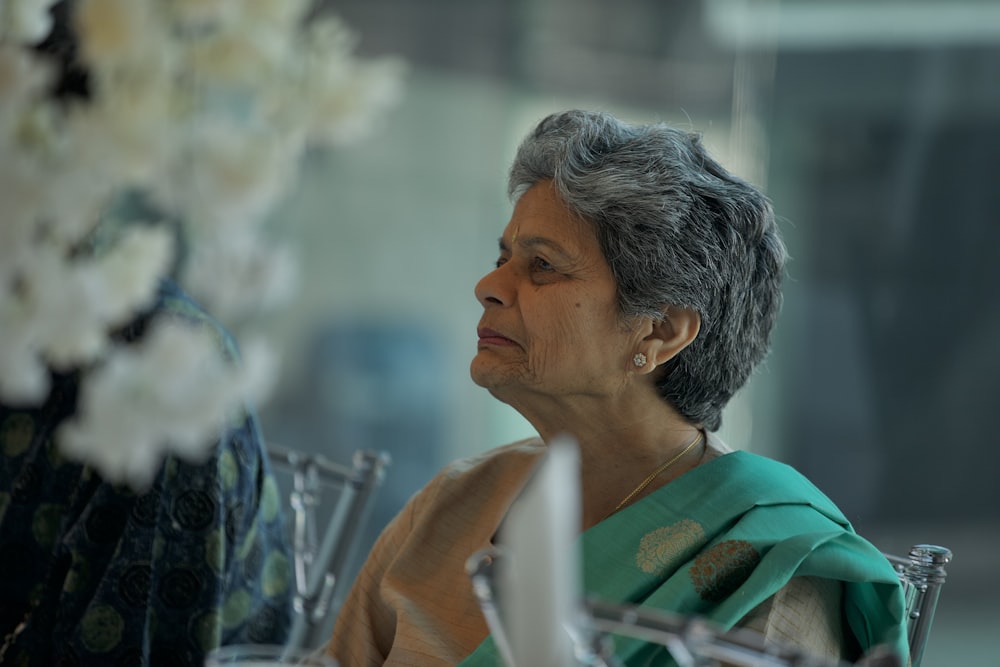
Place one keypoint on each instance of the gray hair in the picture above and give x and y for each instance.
(677, 230)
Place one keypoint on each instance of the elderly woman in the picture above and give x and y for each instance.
(635, 290)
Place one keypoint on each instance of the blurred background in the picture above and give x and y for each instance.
(874, 126)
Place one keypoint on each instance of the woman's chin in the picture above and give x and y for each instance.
(483, 373)
(488, 375)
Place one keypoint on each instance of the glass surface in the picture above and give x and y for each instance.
(252, 655)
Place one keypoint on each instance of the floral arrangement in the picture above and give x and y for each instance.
(206, 108)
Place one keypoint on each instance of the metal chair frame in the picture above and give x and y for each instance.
(319, 565)
(694, 642)
(922, 573)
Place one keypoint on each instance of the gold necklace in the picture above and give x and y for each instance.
(659, 469)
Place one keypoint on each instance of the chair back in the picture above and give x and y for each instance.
(322, 557)
(922, 573)
(692, 641)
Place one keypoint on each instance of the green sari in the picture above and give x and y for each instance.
(723, 538)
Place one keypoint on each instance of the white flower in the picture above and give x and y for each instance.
(234, 57)
(173, 392)
(22, 79)
(342, 90)
(344, 117)
(202, 14)
(205, 107)
(125, 135)
(230, 175)
(114, 31)
(27, 21)
(259, 369)
(239, 274)
(125, 280)
(60, 301)
(284, 13)
(24, 378)
(65, 309)
(21, 194)
(103, 153)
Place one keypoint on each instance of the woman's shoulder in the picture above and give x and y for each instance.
(511, 456)
(473, 492)
(763, 481)
(493, 472)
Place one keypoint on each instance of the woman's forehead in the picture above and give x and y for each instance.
(540, 218)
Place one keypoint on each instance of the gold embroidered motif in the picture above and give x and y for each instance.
(723, 568)
(661, 549)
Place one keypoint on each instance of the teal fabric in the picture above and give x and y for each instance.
(108, 577)
(719, 541)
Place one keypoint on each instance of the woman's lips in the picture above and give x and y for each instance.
(491, 337)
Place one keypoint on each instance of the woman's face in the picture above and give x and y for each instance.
(550, 323)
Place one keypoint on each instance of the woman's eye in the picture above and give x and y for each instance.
(542, 265)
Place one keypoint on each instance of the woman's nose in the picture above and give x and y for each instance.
(494, 288)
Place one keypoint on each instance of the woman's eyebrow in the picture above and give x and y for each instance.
(534, 242)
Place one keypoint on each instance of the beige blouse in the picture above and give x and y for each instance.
(413, 604)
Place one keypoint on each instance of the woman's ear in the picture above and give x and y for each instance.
(669, 336)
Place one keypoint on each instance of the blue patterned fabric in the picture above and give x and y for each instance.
(107, 577)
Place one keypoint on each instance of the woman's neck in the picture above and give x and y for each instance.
(621, 443)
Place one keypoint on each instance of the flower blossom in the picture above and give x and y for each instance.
(205, 107)
(174, 392)
(27, 21)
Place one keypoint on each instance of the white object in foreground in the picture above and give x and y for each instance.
(540, 585)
